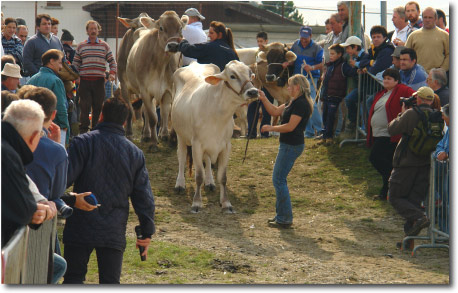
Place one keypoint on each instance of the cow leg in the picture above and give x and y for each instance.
(126, 97)
(151, 122)
(180, 185)
(209, 182)
(199, 169)
(166, 104)
(223, 159)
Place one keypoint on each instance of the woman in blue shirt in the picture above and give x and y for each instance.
(295, 113)
(219, 51)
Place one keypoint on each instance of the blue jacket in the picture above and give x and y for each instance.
(362, 60)
(106, 163)
(415, 77)
(48, 79)
(217, 52)
(49, 169)
(443, 146)
(34, 48)
(312, 54)
(380, 57)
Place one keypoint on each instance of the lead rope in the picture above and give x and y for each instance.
(251, 130)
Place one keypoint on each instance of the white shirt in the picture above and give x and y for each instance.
(401, 34)
(194, 34)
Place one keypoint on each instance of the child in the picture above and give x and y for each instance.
(358, 60)
(334, 89)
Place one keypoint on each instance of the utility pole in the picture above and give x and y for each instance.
(383, 13)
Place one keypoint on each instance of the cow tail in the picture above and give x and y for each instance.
(189, 159)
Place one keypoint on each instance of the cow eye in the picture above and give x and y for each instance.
(232, 76)
(161, 28)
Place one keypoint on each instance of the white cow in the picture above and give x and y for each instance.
(204, 103)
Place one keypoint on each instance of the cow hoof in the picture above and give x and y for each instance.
(210, 187)
(228, 210)
(146, 139)
(154, 148)
(194, 210)
(179, 189)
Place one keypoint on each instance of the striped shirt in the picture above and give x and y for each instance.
(13, 47)
(90, 59)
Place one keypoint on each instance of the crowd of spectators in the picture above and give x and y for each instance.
(412, 60)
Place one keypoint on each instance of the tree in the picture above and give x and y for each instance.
(291, 11)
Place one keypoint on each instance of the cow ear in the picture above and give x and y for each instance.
(262, 56)
(125, 22)
(185, 20)
(213, 79)
(147, 22)
(290, 56)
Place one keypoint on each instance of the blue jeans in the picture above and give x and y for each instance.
(251, 115)
(287, 155)
(331, 106)
(315, 122)
(351, 100)
(59, 268)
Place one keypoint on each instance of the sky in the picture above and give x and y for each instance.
(313, 16)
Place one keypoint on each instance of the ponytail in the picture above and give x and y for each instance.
(230, 40)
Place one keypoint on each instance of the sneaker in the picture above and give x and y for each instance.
(409, 245)
(65, 211)
(418, 225)
(276, 224)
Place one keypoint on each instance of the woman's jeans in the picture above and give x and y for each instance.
(287, 155)
(59, 268)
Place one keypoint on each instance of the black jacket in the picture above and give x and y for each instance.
(18, 203)
(106, 163)
(217, 52)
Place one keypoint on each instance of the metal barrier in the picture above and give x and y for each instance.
(27, 258)
(368, 85)
(437, 208)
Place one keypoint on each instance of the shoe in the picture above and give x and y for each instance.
(275, 224)
(271, 220)
(409, 245)
(418, 225)
(379, 197)
(319, 136)
(322, 141)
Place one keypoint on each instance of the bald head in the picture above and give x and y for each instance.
(429, 16)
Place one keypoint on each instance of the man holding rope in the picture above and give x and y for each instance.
(309, 63)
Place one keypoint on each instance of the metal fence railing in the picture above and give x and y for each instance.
(368, 85)
(437, 208)
(27, 258)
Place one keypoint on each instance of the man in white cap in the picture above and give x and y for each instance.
(193, 31)
(11, 74)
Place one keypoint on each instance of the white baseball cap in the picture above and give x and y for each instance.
(194, 12)
(353, 40)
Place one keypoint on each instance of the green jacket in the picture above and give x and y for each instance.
(48, 79)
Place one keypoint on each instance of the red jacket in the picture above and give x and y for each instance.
(393, 108)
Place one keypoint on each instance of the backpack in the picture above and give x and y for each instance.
(428, 132)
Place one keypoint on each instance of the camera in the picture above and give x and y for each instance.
(409, 102)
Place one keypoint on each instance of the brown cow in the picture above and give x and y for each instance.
(150, 66)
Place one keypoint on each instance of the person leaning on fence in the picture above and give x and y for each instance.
(409, 180)
(385, 108)
(334, 89)
(21, 128)
(437, 80)
(106, 163)
(333, 37)
(295, 115)
(359, 60)
(380, 51)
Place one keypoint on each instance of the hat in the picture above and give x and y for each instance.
(353, 40)
(397, 51)
(20, 21)
(66, 36)
(194, 12)
(305, 32)
(12, 70)
(425, 93)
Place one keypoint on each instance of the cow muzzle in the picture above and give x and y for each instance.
(271, 77)
(252, 95)
(172, 47)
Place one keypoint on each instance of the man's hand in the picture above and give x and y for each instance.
(442, 156)
(307, 67)
(145, 243)
(285, 64)
(352, 62)
(266, 128)
(54, 132)
(51, 210)
(40, 214)
(81, 203)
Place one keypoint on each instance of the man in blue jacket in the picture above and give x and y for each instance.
(412, 74)
(47, 78)
(311, 53)
(106, 163)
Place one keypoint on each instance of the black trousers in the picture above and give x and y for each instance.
(92, 94)
(408, 188)
(381, 158)
(109, 261)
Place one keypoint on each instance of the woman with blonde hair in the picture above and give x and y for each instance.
(295, 115)
(219, 51)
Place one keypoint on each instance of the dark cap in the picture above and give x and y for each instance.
(305, 32)
(66, 36)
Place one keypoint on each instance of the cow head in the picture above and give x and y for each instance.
(275, 55)
(134, 23)
(169, 27)
(238, 78)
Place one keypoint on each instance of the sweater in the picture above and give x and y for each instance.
(34, 48)
(432, 47)
(90, 59)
